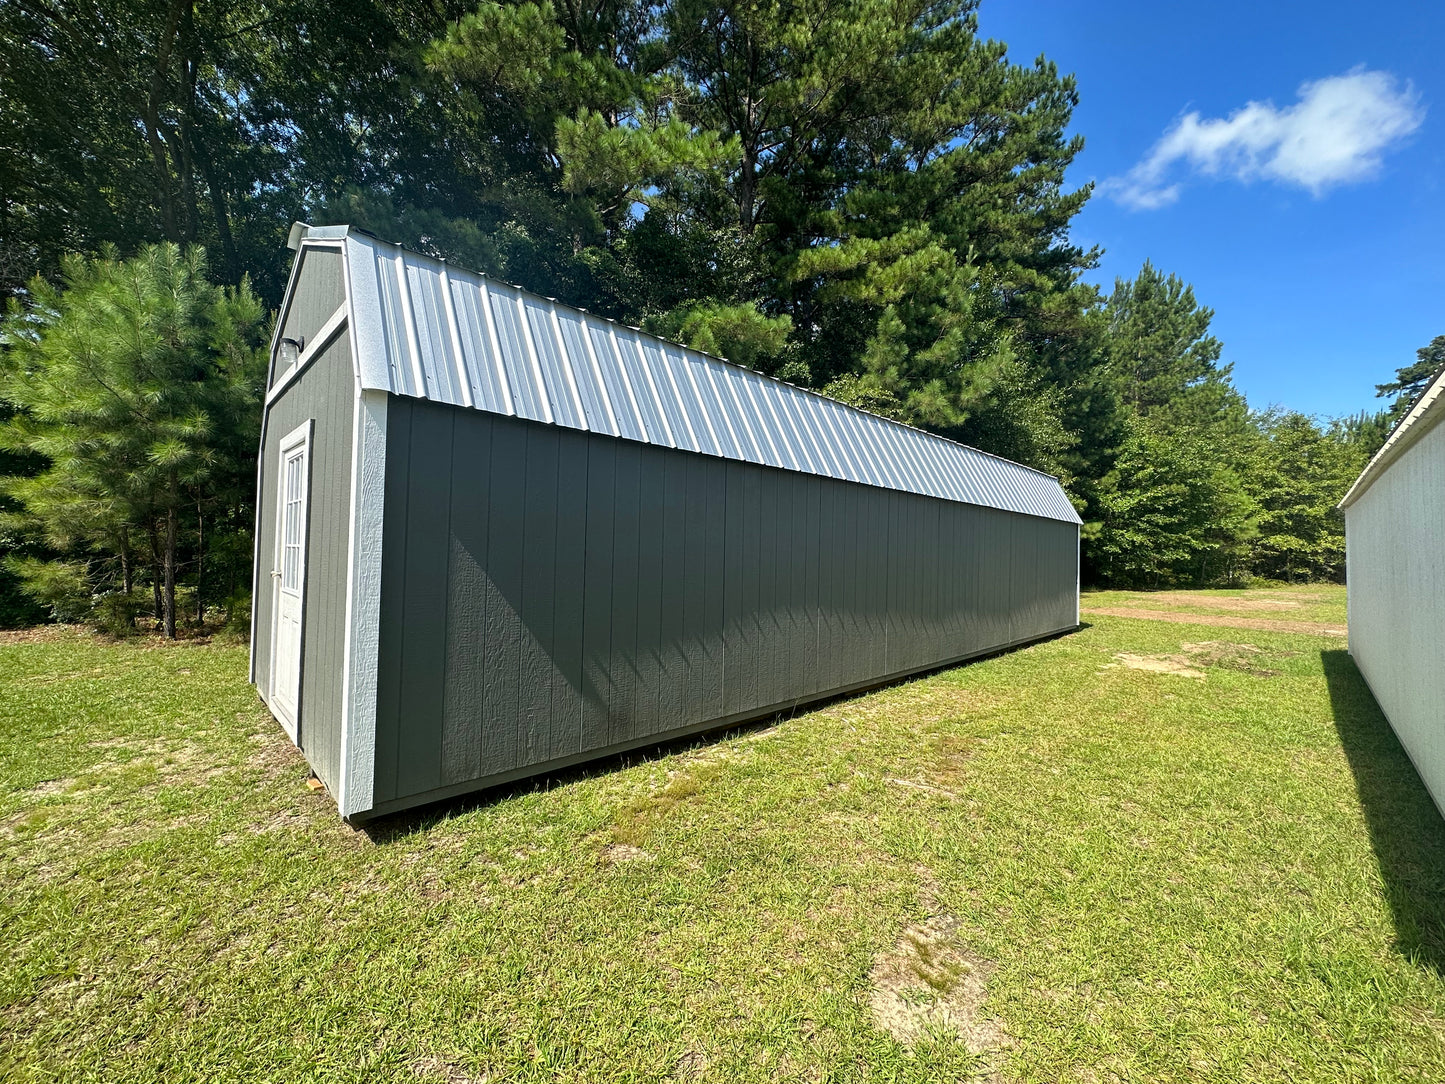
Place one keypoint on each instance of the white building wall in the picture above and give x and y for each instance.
(1395, 537)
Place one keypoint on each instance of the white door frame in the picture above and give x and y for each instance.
(287, 714)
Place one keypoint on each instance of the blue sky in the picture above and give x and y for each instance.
(1316, 231)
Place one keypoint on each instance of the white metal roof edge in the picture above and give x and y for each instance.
(1423, 417)
(373, 372)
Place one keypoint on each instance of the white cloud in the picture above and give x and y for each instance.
(1335, 134)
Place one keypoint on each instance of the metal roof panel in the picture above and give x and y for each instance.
(458, 337)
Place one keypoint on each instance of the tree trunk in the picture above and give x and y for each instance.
(219, 210)
(151, 116)
(127, 569)
(156, 575)
(190, 212)
(200, 566)
(230, 581)
(169, 595)
(747, 191)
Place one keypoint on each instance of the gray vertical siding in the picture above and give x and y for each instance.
(324, 392)
(320, 290)
(549, 594)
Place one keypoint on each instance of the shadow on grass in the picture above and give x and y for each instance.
(393, 826)
(1406, 830)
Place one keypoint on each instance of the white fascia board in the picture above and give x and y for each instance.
(332, 234)
(1423, 416)
(318, 344)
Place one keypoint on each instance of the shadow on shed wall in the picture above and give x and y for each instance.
(391, 827)
(1406, 830)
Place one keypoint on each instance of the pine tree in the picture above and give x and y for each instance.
(138, 382)
(1159, 344)
(1410, 381)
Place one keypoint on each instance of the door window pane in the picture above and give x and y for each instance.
(291, 534)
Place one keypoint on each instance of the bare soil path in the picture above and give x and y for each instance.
(1263, 624)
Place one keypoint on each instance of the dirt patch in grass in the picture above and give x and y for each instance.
(285, 820)
(930, 983)
(274, 754)
(690, 1066)
(928, 700)
(614, 853)
(633, 822)
(185, 762)
(1194, 659)
(1261, 624)
(48, 788)
(441, 1071)
(1178, 665)
(927, 788)
(1229, 656)
(1253, 604)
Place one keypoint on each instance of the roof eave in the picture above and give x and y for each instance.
(1423, 416)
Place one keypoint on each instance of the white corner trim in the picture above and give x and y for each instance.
(319, 342)
(363, 604)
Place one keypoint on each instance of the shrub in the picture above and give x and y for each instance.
(114, 612)
(59, 586)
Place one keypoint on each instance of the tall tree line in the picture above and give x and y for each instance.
(861, 196)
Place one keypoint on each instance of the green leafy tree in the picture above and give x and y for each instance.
(904, 182)
(134, 121)
(1366, 432)
(137, 383)
(564, 123)
(1174, 511)
(1298, 473)
(16, 607)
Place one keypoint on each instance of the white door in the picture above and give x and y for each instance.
(289, 576)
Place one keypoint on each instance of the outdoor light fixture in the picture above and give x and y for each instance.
(290, 352)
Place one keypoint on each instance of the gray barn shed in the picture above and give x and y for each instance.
(497, 536)
(1394, 541)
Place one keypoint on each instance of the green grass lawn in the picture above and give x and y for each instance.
(1323, 603)
(1046, 866)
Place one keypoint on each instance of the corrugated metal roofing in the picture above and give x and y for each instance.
(457, 337)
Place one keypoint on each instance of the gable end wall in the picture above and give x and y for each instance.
(325, 392)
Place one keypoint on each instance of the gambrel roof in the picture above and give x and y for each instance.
(428, 329)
